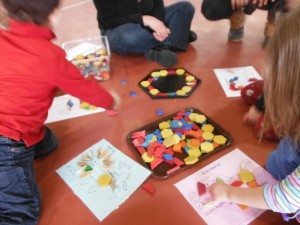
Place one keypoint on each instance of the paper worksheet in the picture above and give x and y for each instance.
(67, 107)
(226, 169)
(233, 80)
(103, 177)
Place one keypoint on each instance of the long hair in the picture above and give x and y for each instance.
(36, 11)
(282, 70)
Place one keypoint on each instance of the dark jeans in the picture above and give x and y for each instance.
(19, 193)
(221, 9)
(131, 38)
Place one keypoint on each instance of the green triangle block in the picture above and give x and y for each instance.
(88, 168)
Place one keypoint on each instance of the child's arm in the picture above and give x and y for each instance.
(71, 81)
(283, 197)
(246, 196)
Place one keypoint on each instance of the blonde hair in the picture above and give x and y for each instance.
(282, 85)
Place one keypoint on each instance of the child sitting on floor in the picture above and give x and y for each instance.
(282, 98)
(252, 95)
(31, 70)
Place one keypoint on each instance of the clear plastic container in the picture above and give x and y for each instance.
(91, 56)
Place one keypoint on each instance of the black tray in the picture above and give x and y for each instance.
(169, 84)
(161, 170)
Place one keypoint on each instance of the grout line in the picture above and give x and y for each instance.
(74, 5)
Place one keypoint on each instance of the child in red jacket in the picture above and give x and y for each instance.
(31, 70)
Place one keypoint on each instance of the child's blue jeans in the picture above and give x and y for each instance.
(284, 160)
(19, 193)
(131, 38)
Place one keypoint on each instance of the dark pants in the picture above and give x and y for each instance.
(221, 9)
(132, 38)
(19, 193)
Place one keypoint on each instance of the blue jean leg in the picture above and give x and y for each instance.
(130, 38)
(178, 18)
(19, 194)
(284, 160)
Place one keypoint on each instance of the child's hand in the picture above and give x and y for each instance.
(252, 116)
(219, 192)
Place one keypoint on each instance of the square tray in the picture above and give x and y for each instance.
(166, 167)
(169, 83)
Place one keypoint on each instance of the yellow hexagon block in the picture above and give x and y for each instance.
(246, 176)
(194, 152)
(186, 89)
(154, 91)
(208, 128)
(163, 73)
(206, 147)
(192, 116)
(172, 140)
(180, 92)
(220, 139)
(166, 133)
(208, 136)
(104, 180)
(189, 78)
(145, 83)
(164, 125)
(180, 71)
(190, 160)
(155, 74)
(147, 158)
(199, 118)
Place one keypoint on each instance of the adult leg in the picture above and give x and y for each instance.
(130, 38)
(178, 19)
(47, 145)
(19, 194)
(216, 9)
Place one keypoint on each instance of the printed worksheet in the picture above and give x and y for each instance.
(225, 169)
(67, 107)
(103, 177)
(233, 80)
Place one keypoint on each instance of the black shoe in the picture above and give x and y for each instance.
(164, 57)
(192, 36)
(167, 58)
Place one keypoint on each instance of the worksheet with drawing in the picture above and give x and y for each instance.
(225, 169)
(103, 177)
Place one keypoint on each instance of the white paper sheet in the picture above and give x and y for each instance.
(126, 173)
(225, 168)
(242, 76)
(67, 107)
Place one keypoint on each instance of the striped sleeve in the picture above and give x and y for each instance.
(285, 196)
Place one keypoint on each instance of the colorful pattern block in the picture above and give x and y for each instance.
(177, 141)
(164, 83)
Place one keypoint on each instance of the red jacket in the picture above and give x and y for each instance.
(31, 70)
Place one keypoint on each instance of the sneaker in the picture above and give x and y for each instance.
(237, 22)
(164, 57)
(192, 36)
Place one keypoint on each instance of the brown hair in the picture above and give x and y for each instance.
(36, 11)
(282, 70)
